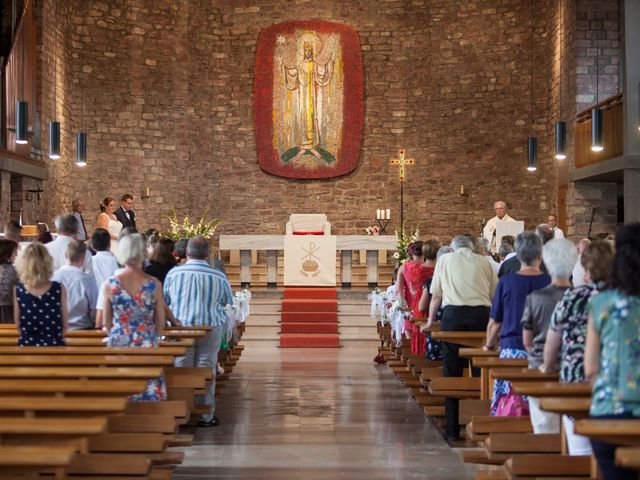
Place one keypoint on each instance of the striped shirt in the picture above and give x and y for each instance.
(197, 294)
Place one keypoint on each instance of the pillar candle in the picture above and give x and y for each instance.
(388, 214)
(461, 189)
(378, 214)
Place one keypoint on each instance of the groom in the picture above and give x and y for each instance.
(124, 214)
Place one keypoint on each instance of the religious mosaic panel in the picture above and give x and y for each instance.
(308, 99)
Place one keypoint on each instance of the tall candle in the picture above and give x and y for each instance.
(147, 191)
(378, 214)
(461, 189)
(388, 214)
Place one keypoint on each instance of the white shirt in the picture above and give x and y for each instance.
(57, 250)
(101, 296)
(104, 266)
(490, 230)
(577, 276)
(495, 265)
(464, 278)
(558, 233)
(81, 296)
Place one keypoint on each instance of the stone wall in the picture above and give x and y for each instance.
(164, 90)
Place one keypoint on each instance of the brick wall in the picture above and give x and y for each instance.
(597, 49)
(165, 92)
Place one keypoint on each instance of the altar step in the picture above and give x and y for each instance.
(309, 318)
(355, 326)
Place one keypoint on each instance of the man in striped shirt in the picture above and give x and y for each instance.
(197, 293)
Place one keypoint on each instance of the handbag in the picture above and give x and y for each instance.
(512, 405)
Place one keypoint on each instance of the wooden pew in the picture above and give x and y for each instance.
(63, 388)
(79, 372)
(91, 350)
(35, 460)
(617, 432)
(74, 432)
(487, 364)
(138, 360)
(628, 457)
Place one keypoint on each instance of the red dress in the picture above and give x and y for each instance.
(415, 276)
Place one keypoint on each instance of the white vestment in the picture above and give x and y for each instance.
(558, 233)
(489, 231)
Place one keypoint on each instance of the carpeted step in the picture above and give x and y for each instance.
(309, 317)
(317, 340)
(298, 305)
(308, 327)
(310, 293)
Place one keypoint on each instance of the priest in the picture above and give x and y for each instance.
(489, 231)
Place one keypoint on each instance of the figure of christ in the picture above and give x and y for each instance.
(307, 78)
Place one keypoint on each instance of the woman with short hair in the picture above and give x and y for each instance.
(567, 331)
(134, 308)
(560, 257)
(508, 306)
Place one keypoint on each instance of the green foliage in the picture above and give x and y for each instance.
(204, 227)
(404, 239)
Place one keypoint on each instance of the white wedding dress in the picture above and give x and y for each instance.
(114, 229)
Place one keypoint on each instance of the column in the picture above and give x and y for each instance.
(272, 268)
(346, 257)
(245, 268)
(631, 72)
(372, 268)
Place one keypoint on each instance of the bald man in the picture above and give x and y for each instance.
(489, 231)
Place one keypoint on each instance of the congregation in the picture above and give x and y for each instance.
(567, 308)
(128, 283)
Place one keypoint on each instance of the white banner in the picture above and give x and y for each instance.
(310, 260)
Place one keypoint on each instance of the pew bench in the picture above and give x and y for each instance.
(35, 460)
(628, 457)
(71, 432)
(617, 432)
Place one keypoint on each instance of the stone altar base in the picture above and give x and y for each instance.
(309, 318)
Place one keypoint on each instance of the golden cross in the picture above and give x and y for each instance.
(402, 162)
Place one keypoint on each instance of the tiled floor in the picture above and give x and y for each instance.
(318, 414)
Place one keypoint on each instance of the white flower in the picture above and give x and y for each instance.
(396, 255)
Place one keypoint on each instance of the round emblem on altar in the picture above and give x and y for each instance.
(310, 267)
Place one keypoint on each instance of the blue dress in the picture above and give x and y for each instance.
(40, 317)
(134, 326)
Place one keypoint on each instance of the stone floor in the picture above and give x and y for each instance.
(318, 414)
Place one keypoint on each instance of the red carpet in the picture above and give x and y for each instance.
(309, 318)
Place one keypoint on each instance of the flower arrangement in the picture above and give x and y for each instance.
(204, 227)
(373, 230)
(404, 240)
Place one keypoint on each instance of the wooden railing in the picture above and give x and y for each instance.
(613, 133)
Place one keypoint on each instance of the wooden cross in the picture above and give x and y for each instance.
(402, 161)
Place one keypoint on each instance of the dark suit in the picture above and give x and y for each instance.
(124, 220)
(509, 266)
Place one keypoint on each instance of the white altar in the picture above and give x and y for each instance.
(370, 246)
(309, 251)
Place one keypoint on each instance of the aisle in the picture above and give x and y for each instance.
(318, 414)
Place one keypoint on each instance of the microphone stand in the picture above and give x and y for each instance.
(593, 212)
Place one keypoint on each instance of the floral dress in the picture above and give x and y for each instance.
(570, 320)
(134, 326)
(415, 275)
(616, 320)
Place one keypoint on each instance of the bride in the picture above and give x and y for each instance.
(109, 222)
